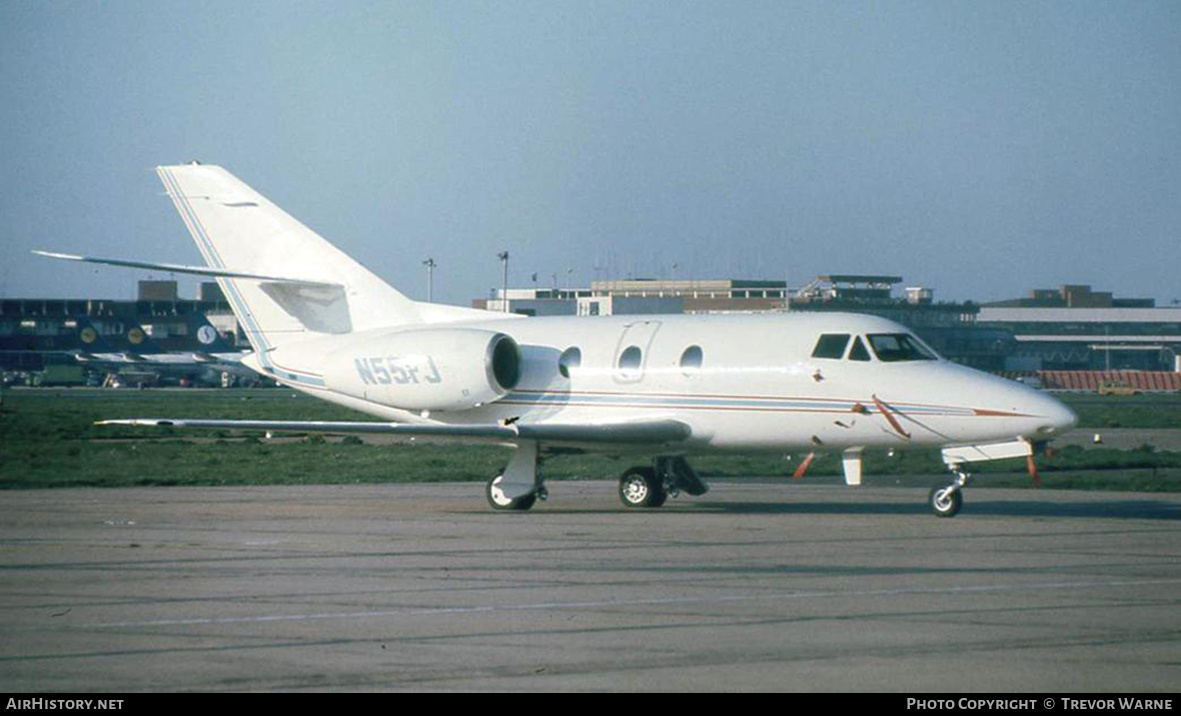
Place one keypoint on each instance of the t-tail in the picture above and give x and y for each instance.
(285, 283)
(316, 288)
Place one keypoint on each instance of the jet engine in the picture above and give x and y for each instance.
(428, 368)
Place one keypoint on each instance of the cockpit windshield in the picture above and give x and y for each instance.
(831, 345)
(897, 347)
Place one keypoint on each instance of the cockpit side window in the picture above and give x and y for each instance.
(897, 347)
(858, 352)
(831, 345)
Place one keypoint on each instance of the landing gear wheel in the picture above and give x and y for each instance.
(639, 487)
(501, 501)
(945, 501)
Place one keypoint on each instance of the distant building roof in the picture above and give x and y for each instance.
(683, 285)
(999, 313)
(860, 279)
(1073, 296)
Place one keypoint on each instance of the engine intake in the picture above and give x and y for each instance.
(504, 362)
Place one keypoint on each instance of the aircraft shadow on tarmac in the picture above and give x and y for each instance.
(1146, 509)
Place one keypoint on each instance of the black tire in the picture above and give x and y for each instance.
(639, 487)
(498, 502)
(945, 504)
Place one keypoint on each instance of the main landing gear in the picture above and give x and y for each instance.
(947, 501)
(499, 498)
(520, 486)
(641, 487)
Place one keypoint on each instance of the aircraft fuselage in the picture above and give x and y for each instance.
(748, 382)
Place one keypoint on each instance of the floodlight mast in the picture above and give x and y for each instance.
(430, 279)
(503, 256)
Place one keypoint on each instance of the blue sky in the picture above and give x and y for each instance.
(980, 148)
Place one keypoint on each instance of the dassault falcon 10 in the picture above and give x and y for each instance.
(664, 387)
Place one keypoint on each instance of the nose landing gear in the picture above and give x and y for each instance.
(947, 501)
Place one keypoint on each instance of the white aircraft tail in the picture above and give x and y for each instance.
(240, 233)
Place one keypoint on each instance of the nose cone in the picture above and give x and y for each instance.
(1058, 418)
(1014, 409)
(1043, 416)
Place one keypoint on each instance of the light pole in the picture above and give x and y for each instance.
(430, 279)
(503, 256)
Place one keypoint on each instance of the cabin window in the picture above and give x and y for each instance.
(630, 359)
(570, 358)
(897, 347)
(858, 351)
(691, 360)
(831, 345)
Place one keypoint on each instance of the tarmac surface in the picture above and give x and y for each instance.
(758, 585)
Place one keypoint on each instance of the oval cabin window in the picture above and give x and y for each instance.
(630, 359)
(691, 360)
(571, 358)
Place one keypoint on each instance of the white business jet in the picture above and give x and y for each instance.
(665, 387)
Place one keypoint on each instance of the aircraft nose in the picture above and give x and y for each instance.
(1058, 418)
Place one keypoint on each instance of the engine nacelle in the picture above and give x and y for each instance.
(427, 368)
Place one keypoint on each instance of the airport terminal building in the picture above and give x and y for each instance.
(1075, 328)
(36, 332)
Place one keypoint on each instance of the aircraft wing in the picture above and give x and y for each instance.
(634, 432)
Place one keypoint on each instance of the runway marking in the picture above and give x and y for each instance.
(555, 606)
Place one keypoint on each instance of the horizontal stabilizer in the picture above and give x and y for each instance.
(195, 270)
(652, 431)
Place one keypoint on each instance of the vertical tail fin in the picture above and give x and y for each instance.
(238, 229)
